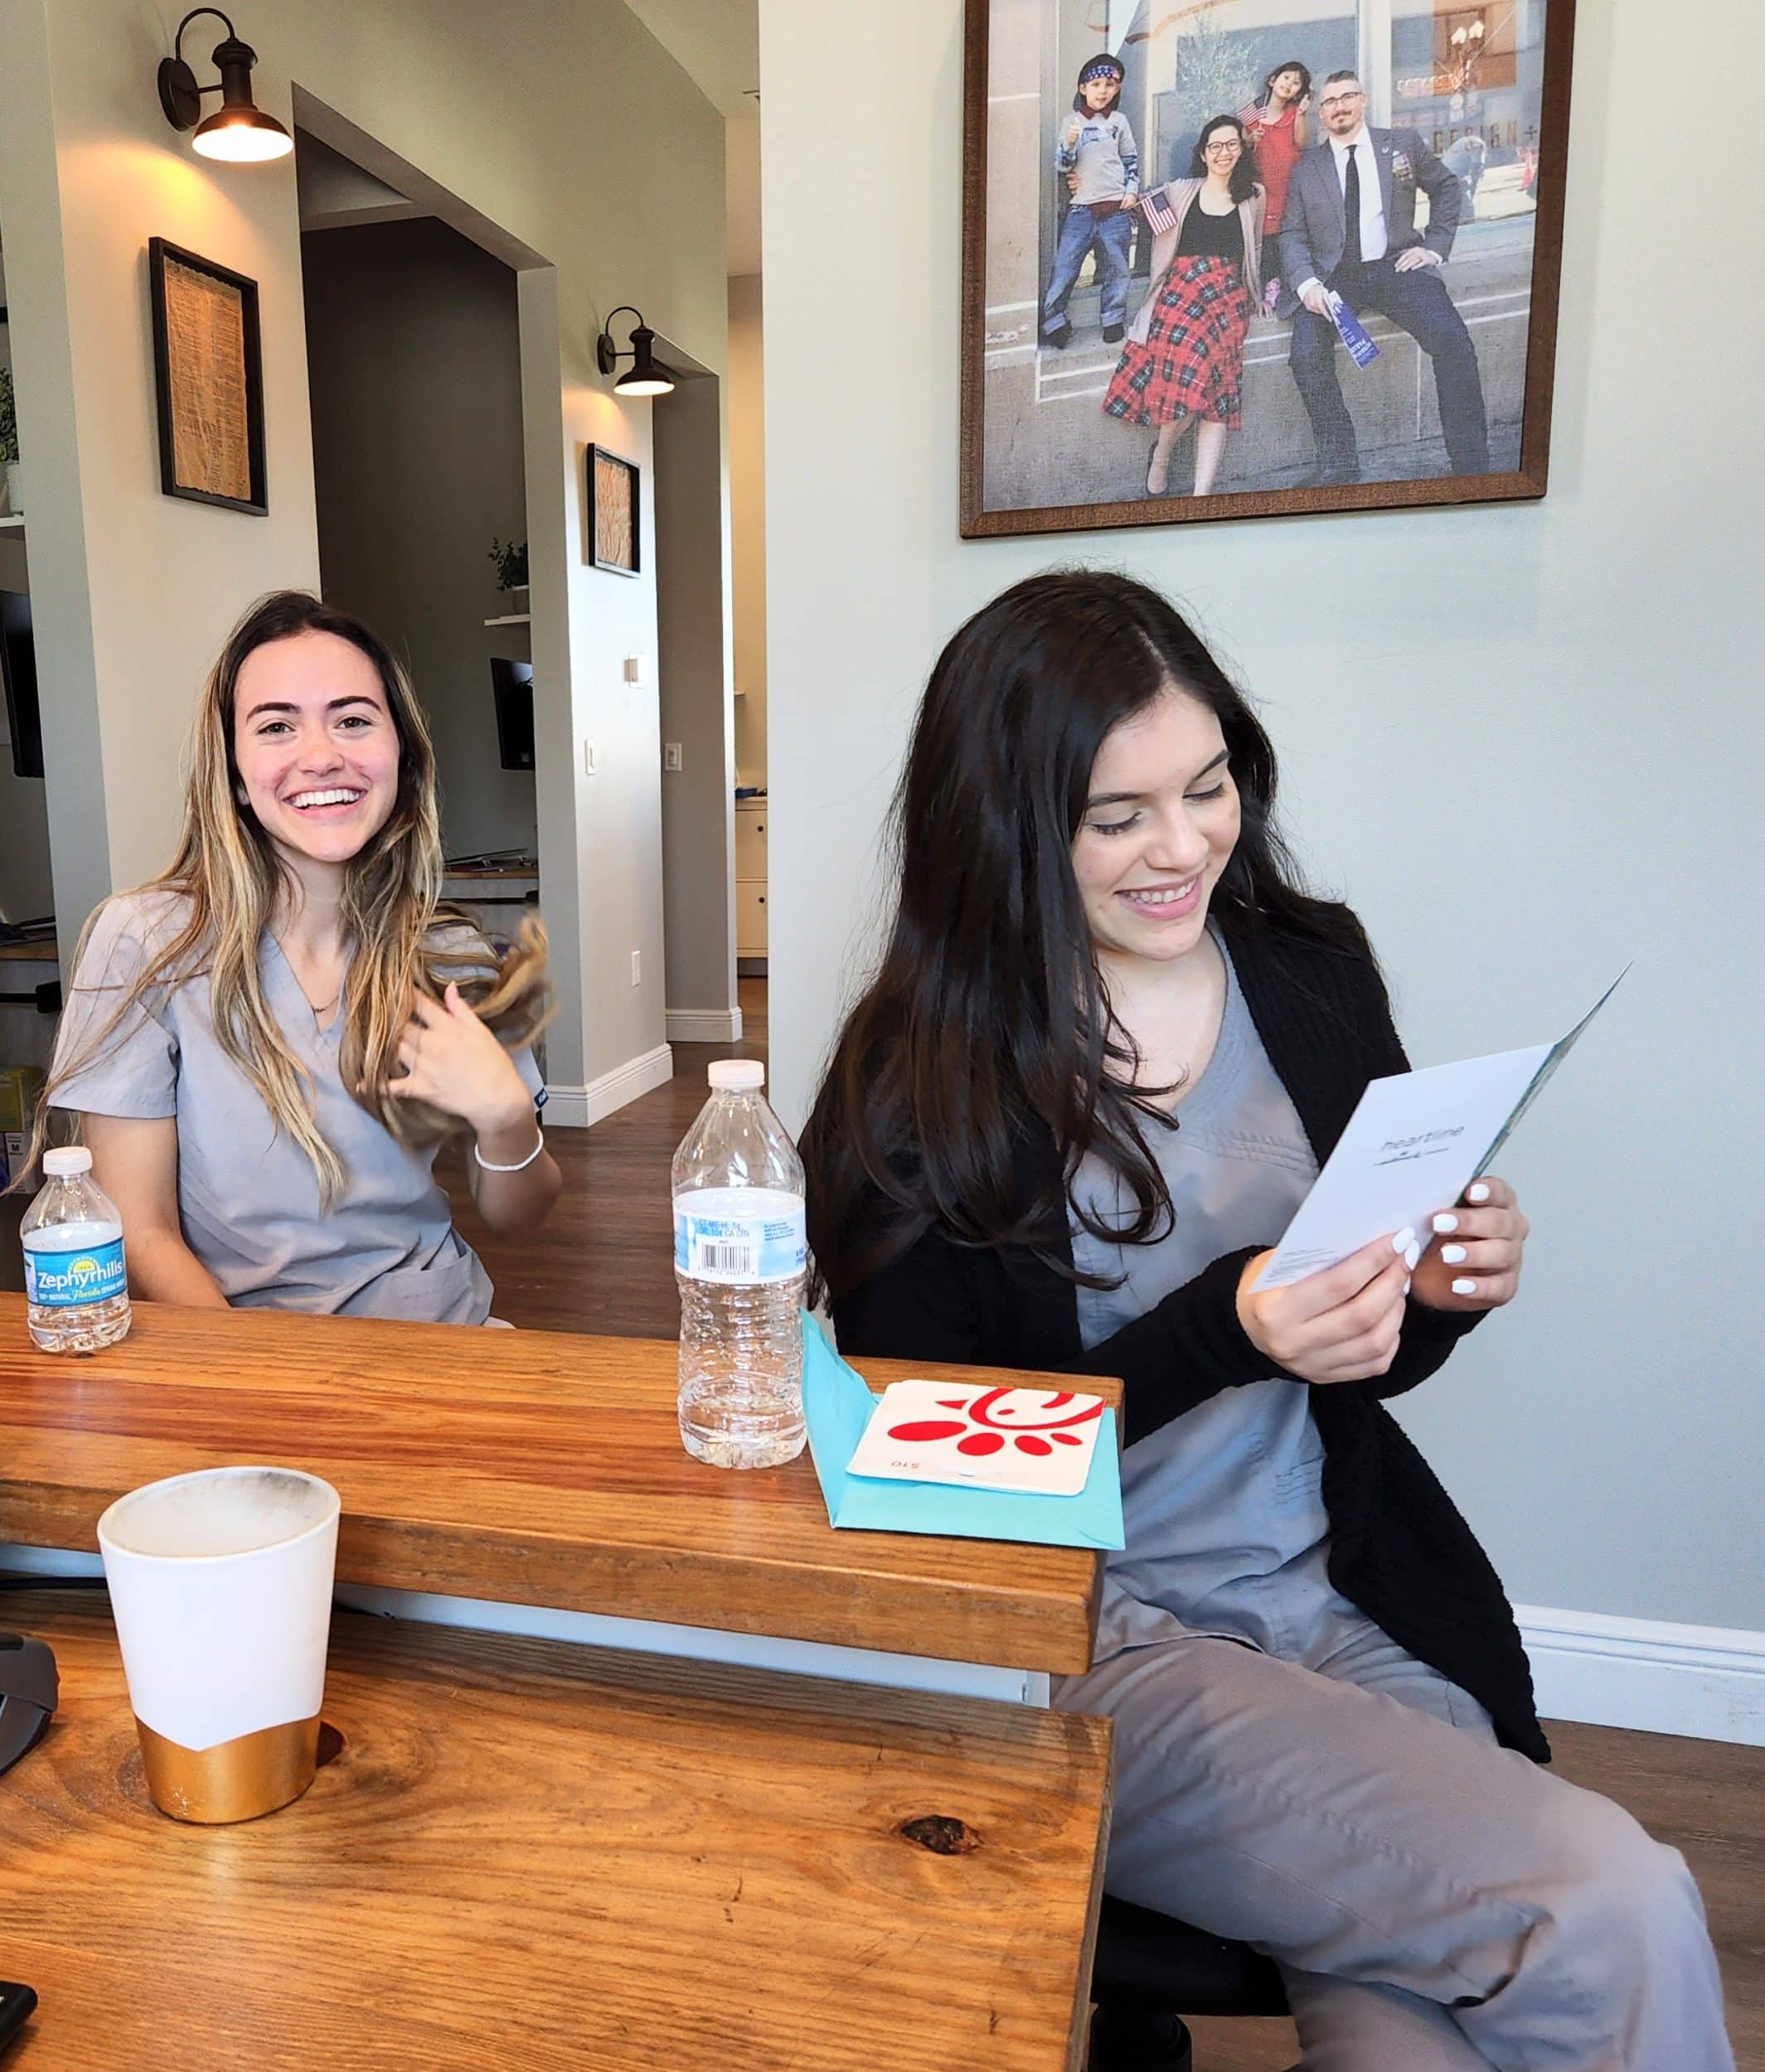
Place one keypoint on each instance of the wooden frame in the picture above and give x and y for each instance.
(985, 513)
(209, 374)
(615, 527)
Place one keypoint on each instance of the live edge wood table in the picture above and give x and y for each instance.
(531, 1854)
(527, 1855)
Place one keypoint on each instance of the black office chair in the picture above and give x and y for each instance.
(1150, 1970)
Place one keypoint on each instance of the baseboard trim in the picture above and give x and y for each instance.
(1705, 1681)
(704, 1025)
(580, 1107)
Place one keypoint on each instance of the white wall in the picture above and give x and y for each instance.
(694, 699)
(1525, 742)
(508, 114)
(747, 522)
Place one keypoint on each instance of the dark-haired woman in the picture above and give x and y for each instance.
(1276, 134)
(267, 1042)
(1109, 1041)
(1183, 361)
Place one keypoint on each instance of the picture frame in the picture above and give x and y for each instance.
(614, 513)
(209, 380)
(1048, 442)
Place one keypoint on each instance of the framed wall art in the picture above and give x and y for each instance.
(1236, 259)
(614, 538)
(208, 370)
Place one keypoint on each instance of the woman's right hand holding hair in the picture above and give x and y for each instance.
(1340, 1324)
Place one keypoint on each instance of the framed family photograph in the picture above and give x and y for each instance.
(614, 534)
(1239, 258)
(209, 374)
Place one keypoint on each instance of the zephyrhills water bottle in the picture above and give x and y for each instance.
(740, 1252)
(76, 1286)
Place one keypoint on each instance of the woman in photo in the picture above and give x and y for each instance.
(1276, 132)
(267, 1042)
(1183, 363)
(1095, 155)
(1110, 1041)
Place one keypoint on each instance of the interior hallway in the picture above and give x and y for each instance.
(605, 1263)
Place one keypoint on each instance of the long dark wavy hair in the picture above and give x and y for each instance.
(987, 1014)
(1242, 183)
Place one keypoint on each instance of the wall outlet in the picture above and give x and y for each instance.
(670, 755)
(637, 967)
(590, 759)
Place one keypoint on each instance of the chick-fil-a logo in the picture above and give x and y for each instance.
(1015, 1413)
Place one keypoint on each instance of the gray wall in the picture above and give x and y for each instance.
(414, 353)
(694, 695)
(1525, 742)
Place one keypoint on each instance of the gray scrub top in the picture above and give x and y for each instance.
(1225, 1525)
(248, 1196)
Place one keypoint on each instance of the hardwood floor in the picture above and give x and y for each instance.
(604, 1264)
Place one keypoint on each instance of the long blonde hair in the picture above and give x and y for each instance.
(392, 913)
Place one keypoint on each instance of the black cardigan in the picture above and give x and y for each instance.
(1399, 1549)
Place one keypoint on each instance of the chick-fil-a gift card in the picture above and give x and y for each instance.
(1037, 1440)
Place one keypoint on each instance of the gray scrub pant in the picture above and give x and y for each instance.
(1436, 1902)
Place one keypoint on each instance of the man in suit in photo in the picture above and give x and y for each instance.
(1350, 230)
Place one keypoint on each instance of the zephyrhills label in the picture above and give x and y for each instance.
(69, 1280)
(740, 1235)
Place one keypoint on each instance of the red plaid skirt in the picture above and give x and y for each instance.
(1193, 360)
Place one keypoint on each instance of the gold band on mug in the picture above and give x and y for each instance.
(240, 1779)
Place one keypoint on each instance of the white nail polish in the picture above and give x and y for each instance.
(1452, 1255)
(1406, 1287)
(1464, 1287)
(1402, 1240)
(1444, 1223)
(1477, 1193)
(1412, 1255)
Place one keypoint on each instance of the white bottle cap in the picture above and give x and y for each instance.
(737, 1075)
(64, 1163)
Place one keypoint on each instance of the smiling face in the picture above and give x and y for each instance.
(315, 747)
(1287, 85)
(1160, 825)
(1222, 147)
(1342, 107)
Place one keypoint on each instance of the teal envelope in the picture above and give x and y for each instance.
(837, 1405)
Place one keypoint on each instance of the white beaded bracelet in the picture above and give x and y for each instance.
(520, 1166)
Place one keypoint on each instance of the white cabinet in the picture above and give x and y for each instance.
(750, 877)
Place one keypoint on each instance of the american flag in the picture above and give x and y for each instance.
(1155, 210)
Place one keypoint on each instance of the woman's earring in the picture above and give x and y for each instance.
(239, 792)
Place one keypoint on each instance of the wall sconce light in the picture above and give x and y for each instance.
(647, 375)
(237, 132)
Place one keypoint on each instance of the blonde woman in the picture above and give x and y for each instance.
(267, 1042)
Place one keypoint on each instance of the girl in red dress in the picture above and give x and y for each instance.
(1277, 131)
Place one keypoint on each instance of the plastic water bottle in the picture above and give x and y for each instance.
(739, 1251)
(77, 1286)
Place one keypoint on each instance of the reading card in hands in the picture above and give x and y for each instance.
(1412, 1145)
(1034, 1441)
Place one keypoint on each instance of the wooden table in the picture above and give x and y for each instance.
(532, 1468)
(545, 1858)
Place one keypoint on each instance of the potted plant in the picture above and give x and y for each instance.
(510, 563)
(15, 492)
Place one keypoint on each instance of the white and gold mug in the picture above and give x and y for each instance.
(220, 1588)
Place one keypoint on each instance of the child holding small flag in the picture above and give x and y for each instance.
(1183, 360)
(1095, 152)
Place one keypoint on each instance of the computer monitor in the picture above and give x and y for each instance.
(18, 670)
(512, 682)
